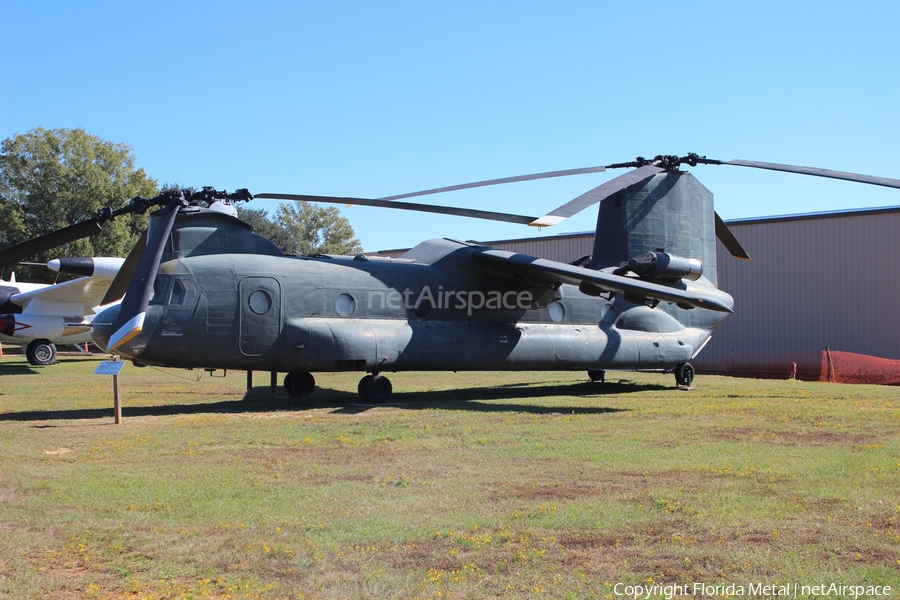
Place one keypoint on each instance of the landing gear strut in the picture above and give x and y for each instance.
(375, 389)
(684, 374)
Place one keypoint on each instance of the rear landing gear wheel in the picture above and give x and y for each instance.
(41, 352)
(684, 374)
(597, 375)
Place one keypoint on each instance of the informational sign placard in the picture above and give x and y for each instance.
(109, 367)
(113, 367)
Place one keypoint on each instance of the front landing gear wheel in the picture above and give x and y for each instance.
(597, 375)
(41, 352)
(684, 374)
(375, 389)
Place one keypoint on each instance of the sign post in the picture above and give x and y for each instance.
(113, 367)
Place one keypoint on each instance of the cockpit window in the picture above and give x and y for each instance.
(182, 301)
(160, 289)
(174, 291)
(183, 292)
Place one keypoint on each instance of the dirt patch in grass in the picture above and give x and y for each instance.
(550, 491)
(673, 552)
(791, 437)
(863, 556)
(824, 438)
(628, 485)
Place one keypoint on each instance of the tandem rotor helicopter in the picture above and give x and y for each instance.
(201, 290)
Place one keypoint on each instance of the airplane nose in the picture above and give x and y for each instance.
(102, 326)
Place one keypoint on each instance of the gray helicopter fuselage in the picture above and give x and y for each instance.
(435, 308)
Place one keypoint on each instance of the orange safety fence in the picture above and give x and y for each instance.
(826, 365)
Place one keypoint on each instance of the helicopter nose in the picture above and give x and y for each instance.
(102, 326)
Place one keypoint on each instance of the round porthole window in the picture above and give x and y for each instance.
(345, 305)
(260, 302)
(557, 311)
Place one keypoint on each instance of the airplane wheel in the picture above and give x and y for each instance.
(363, 387)
(41, 352)
(299, 383)
(597, 375)
(378, 390)
(684, 374)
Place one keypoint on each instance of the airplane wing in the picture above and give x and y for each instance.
(552, 272)
(85, 292)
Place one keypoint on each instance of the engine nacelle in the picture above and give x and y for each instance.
(101, 267)
(663, 266)
(28, 327)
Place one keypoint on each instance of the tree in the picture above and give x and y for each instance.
(50, 179)
(263, 224)
(317, 230)
(305, 229)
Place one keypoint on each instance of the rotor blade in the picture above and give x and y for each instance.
(728, 239)
(444, 210)
(140, 289)
(500, 181)
(601, 192)
(120, 284)
(870, 179)
(49, 241)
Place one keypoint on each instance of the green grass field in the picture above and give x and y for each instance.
(470, 485)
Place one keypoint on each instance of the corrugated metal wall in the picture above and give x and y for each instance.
(815, 281)
(561, 248)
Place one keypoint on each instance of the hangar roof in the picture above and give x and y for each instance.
(745, 221)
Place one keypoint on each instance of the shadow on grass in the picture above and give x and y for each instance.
(489, 399)
(13, 365)
(18, 369)
(251, 403)
(476, 399)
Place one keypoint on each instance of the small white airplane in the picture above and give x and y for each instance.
(43, 315)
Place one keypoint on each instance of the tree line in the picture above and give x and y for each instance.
(52, 178)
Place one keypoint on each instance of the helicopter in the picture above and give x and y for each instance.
(202, 290)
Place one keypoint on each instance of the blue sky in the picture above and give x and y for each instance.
(379, 98)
